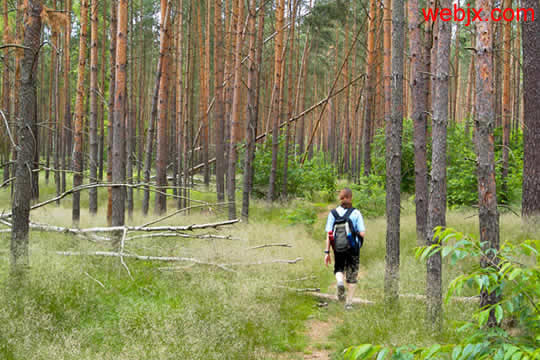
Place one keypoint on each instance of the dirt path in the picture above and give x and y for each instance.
(318, 333)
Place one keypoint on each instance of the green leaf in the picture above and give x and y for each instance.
(382, 354)
(498, 313)
(433, 350)
(483, 317)
(446, 250)
(514, 273)
(361, 352)
(456, 352)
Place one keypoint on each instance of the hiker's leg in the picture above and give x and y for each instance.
(339, 269)
(352, 275)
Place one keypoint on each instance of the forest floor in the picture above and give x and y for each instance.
(89, 307)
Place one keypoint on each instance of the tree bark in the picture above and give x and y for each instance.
(119, 154)
(93, 138)
(219, 114)
(26, 121)
(419, 92)
(112, 92)
(235, 112)
(255, 55)
(394, 131)
(484, 103)
(293, 5)
(278, 59)
(437, 198)
(161, 160)
(179, 101)
(531, 111)
(370, 78)
(79, 114)
(6, 89)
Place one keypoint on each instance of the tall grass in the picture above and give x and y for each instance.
(89, 308)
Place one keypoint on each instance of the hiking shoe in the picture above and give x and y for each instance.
(348, 307)
(341, 292)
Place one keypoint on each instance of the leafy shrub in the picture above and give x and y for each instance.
(302, 214)
(514, 278)
(462, 185)
(315, 175)
(370, 196)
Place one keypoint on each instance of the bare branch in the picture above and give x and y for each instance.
(269, 245)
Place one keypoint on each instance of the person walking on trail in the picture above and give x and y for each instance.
(345, 233)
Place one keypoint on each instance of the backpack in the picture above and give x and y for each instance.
(344, 232)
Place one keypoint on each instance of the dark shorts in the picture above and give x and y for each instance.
(347, 262)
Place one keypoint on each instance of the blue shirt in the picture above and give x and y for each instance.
(356, 219)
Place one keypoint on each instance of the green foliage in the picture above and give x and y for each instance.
(316, 175)
(370, 196)
(303, 213)
(462, 183)
(515, 278)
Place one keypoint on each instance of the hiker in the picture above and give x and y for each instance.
(345, 233)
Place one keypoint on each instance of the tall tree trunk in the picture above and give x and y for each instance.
(93, 138)
(79, 114)
(255, 55)
(293, 5)
(66, 126)
(6, 89)
(387, 60)
(130, 120)
(394, 131)
(119, 138)
(419, 92)
(203, 93)
(506, 105)
(469, 102)
(278, 59)
(219, 115)
(484, 103)
(531, 111)
(180, 103)
(161, 160)
(370, 75)
(26, 121)
(235, 115)
(101, 139)
(437, 198)
(112, 92)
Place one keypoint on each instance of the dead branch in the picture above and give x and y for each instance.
(175, 234)
(122, 243)
(7, 128)
(52, 228)
(96, 280)
(462, 299)
(302, 279)
(308, 290)
(268, 245)
(142, 257)
(183, 210)
(4, 46)
(90, 186)
(334, 298)
(278, 261)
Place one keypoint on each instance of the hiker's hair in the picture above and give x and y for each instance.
(347, 191)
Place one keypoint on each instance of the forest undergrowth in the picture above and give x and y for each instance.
(88, 307)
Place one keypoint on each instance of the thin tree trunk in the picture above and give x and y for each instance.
(112, 92)
(531, 111)
(26, 121)
(93, 138)
(278, 59)
(235, 115)
(437, 198)
(370, 75)
(253, 102)
(101, 139)
(394, 130)
(119, 161)
(419, 92)
(506, 105)
(161, 160)
(179, 101)
(66, 126)
(6, 88)
(219, 114)
(79, 114)
(484, 103)
(293, 5)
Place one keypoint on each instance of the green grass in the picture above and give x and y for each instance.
(60, 311)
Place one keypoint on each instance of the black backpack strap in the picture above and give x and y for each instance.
(335, 215)
(348, 213)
